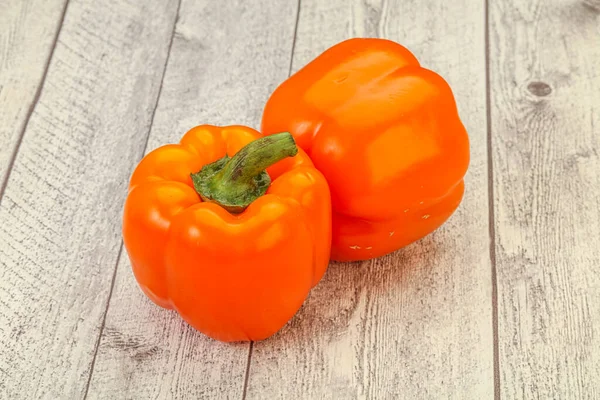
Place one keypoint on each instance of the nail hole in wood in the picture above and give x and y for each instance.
(539, 89)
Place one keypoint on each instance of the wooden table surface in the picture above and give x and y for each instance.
(502, 302)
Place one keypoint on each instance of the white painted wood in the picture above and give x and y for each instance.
(545, 86)
(28, 31)
(225, 60)
(418, 323)
(60, 213)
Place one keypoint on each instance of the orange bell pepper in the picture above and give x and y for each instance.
(386, 134)
(234, 249)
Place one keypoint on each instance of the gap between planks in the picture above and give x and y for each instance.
(36, 98)
(112, 284)
(247, 376)
(492, 218)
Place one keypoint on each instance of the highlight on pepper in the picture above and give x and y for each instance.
(230, 229)
(386, 134)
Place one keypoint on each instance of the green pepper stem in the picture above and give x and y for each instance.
(235, 182)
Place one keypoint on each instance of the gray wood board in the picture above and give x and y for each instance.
(418, 323)
(415, 324)
(545, 96)
(60, 213)
(28, 30)
(226, 59)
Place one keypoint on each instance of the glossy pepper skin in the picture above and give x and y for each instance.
(386, 134)
(234, 277)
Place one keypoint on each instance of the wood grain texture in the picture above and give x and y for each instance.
(418, 323)
(60, 213)
(225, 60)
(28, 30)
(545, 92)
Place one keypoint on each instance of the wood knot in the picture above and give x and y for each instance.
(539, 89)
(593, 5)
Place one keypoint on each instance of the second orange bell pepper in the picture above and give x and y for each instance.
(234, 249)
(386, 134)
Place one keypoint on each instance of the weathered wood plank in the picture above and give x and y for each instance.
(418, 323)
(60, 214)
(225, 60)
(545, 92)
(28, 30)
